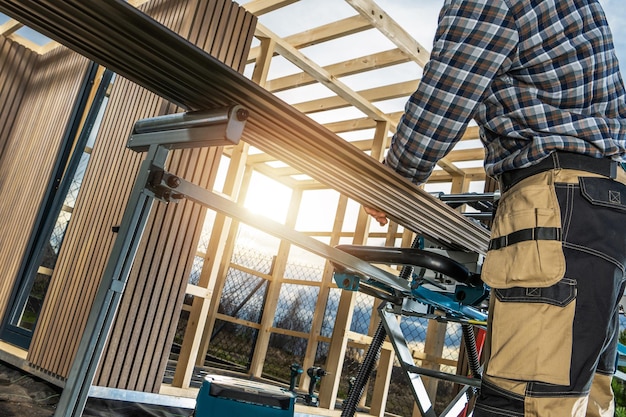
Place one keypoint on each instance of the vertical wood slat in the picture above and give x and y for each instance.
(16, 64)
(16, 68)
(36, 118)
(138, 347)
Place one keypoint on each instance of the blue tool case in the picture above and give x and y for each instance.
(220, 395)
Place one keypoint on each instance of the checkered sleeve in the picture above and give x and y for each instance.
(472, 43)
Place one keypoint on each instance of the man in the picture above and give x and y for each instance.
(541, 79)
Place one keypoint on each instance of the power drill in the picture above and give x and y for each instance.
(296, 371)
(315, 373)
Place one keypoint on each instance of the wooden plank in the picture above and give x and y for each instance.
(199, 30)
(292, 54)
(381, 384)
(387, 92)
(244, 40)
(325, 33)
(262, 67)
(225, 33)
(9, 27)
(218, 281)
(260, 7)
(341, 69)
(380, 19)
(326, 284)
(341, 329)
(433, 348)
(273, 290)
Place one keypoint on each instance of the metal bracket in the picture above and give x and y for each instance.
(163, 184)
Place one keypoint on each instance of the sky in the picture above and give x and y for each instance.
(417, 17)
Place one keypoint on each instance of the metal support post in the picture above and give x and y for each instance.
(405, 357)
(109, 294)
(157, 135)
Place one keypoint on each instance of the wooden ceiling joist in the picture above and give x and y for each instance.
(10, 27)
(325, 33)
(261, 7)
(400, 37)
(341, 69)
(296, 57)
(387, 92)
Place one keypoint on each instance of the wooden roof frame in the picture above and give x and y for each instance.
(181, 72)
(368, 16)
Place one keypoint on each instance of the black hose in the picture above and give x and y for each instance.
(472, 352)
(365, 370)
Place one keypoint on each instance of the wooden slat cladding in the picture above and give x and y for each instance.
(138, 346)
(44, 101)
(16, 65)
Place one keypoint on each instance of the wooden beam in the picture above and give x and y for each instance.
(449, 167)
(472, 174)
(334, 30)
(281, 175)
(392, 30)
(330, 31)
(262, 67)
(326, 284)
(341, 69)
(261, 7)
(296, 57)
(359, 124)
(273, 291)
(10, 27)
(476, 154)
(386, 92)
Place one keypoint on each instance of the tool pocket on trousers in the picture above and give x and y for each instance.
(595, 217)
(604, 192)
(525, 248)
(531, 333)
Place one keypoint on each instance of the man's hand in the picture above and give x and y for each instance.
(379, 216)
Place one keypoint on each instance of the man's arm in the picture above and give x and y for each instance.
(473, 40)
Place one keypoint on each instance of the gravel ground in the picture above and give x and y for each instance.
(22, 395)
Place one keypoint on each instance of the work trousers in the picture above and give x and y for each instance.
(556, 268)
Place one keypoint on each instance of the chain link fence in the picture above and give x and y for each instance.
(244, 298)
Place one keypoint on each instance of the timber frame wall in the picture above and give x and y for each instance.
(138, 347)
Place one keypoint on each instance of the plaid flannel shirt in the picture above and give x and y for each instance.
(536, 76)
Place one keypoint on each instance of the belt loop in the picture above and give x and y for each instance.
(613, 169)
(555, 160)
